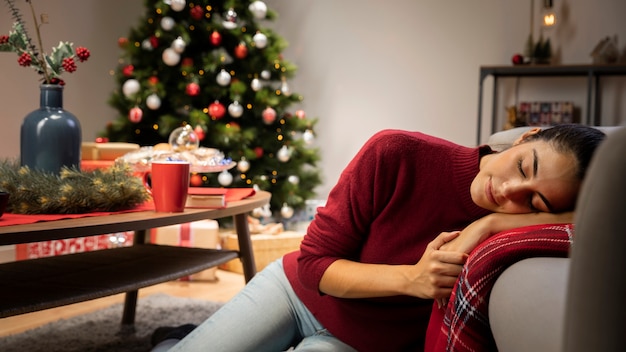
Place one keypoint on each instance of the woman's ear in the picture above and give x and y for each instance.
(526, 134)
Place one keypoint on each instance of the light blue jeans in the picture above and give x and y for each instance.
(265, 316)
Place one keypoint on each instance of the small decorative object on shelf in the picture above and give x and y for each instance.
(50, 136)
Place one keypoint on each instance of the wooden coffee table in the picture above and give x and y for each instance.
(37, 284)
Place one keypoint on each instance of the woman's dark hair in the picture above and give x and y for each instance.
(580, 140)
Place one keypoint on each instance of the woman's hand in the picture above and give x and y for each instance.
(436, 272)
(432, 277)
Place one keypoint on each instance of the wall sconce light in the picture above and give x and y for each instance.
(547, 14)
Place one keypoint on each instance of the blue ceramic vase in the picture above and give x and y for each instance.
(50, 136)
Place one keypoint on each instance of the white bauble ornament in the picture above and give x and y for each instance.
(167, 23)
(179, 45)
(256, 84)
(153, 102)
(184, 138)
(283, 154)
(223, 78)
(308, 137)
(146, 45)
(177, 5)
(293, 179)
(130, 87)
(230, 19)
(258, 9)
(170, 57)
(284, 88)
(235, 109)
(265, 74)
(243, 165)
(260, 40)
(225, 178)
(286, 211)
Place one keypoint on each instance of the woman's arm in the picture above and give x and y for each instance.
(432, 277)
(485, 227)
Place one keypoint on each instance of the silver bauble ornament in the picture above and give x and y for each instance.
(293, 179)
(167, 23)
(235, 109)
(260, 40)
(170, 57)
(308, 137)
(243, 165)
(265, 74)
(283, 154)
(256, 84)
(130, 87)
(225, 178)
(258, 9)
(153, 102)
(179, 45)
(286, 211)
(178, 5)
(223, 78)
(230, 19)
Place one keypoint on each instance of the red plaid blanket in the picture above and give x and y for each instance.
(464, 324)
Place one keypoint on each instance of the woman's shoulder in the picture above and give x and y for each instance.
(396, 138)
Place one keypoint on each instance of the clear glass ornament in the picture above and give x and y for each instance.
(184, 138)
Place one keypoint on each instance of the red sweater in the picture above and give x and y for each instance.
(400, 191)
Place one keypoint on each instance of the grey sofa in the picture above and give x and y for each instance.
(572, 304)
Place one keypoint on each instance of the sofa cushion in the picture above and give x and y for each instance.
(504, 139)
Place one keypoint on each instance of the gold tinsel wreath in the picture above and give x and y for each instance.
(72, 191)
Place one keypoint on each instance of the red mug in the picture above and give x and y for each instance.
(169, 183)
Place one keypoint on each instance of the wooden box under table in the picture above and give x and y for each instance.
(266, 248)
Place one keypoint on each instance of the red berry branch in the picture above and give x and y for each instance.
(49, 66)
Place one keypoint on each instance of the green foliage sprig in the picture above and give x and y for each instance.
(72, 191)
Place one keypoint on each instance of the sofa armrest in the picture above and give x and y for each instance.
(527, 305)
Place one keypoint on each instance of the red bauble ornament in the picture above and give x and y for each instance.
(195, 180)
(241, 50)
(154, 41)
(153, 80)
(102, 140)
(517, 59)
(128, 70)
(216, 38)
(258, 151)
(192, 89)
(196, 12)
(269, 115)
(187, 62)
(217, 110)
(122, 42)
(135, 115)
(199, 132)
(301, 114)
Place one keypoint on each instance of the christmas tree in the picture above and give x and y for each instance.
(212, 66)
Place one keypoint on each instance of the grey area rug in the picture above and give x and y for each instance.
(101, 330)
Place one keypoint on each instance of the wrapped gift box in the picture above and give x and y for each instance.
(266, 248)
(200, 234)
(72, 245)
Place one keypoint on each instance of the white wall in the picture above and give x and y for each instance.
(363, 65)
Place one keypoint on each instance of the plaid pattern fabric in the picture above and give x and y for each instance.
(466, 322)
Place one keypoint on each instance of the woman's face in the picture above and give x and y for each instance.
(528, 177)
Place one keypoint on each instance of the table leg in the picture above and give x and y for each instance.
(130, 300)
(246, 254)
